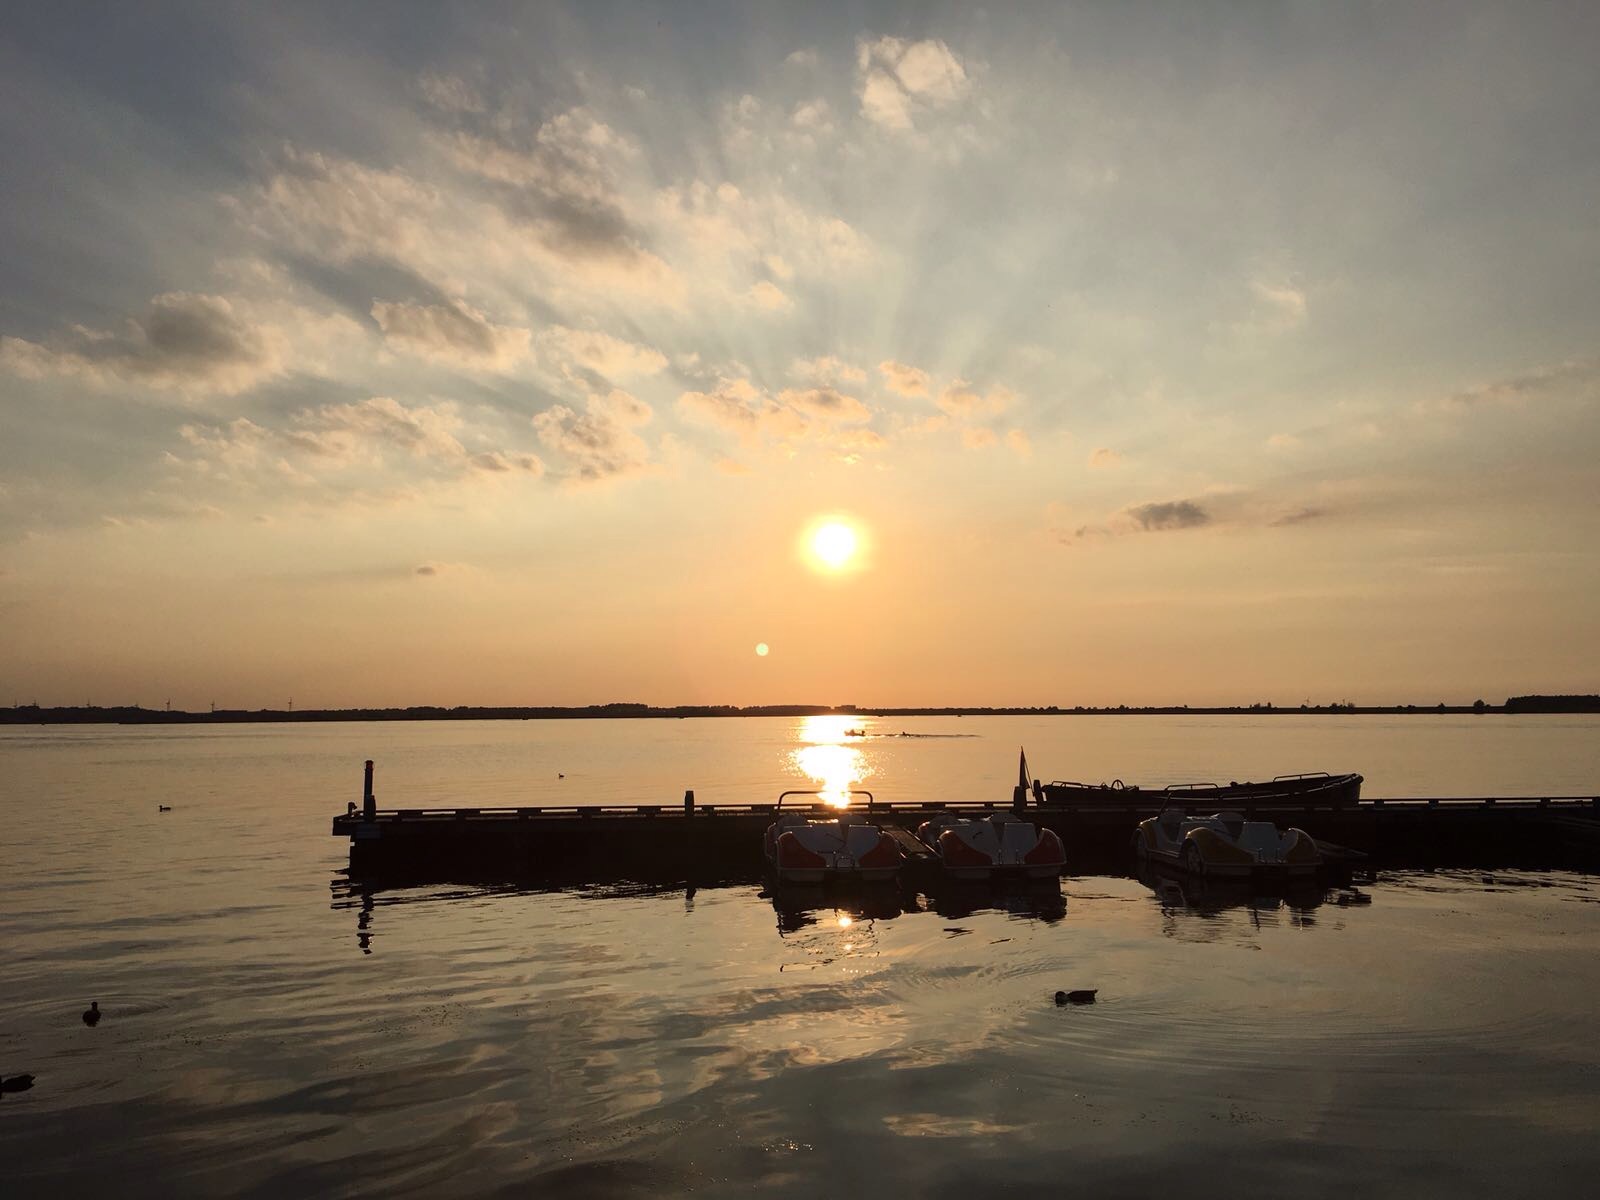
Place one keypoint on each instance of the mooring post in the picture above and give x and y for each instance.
(688, 803)
(369, 802)
(1019, 798)
(1038, 794)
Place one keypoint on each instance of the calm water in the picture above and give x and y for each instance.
(268, 1031)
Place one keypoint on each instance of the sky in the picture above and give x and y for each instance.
(416, 354)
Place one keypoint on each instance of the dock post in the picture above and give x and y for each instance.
(1038, 794)
(688, 803)
(1019, 798)
(369, 802)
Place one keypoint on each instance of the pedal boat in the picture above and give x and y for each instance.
(1225, 844)
(804, 849)
(997, 843)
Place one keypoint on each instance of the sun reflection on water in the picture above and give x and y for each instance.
(827, 759)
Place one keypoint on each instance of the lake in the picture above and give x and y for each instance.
(270, 1030)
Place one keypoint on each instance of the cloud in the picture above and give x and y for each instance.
(733, 233)
(1279, 308)
(450, 93)
(813, 116)
(1576, 377)
(544, 210)
(826, 369)
(321, 204)
(1283, 441)
(1103, 459)
(822, 414)
(610, 357)
(897, 80)
(826, 404)
(599, 443)
(961, 400)
(907, 380)
(1300, 516)
(977, 438)
(1170, 514)
(769, 295)
(432, 570)
(318, 443)
(564, 181)
(184, 340)
(496, 462)
(453, 333)
(1019, 443)
(802, 58)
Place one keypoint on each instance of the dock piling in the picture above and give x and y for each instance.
(369, 802)
(688, 803)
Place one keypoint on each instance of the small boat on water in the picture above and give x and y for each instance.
(1224, 844)
(997, 843)
(1314, 787)
(805, 848)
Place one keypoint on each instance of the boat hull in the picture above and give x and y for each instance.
(1334, 790)
(999, 846)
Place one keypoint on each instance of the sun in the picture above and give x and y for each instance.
(834, 543)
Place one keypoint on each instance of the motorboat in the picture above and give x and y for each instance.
(998, 843)
(1310, 788)
(808, 849)
(1224, 844)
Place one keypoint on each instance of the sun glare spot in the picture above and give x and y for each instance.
(761, 649)
(834, 543)
(834, 768)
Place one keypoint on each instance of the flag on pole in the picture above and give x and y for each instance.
(1023, 781)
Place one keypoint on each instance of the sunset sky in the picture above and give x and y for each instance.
(389, 355)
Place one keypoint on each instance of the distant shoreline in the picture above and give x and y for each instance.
(135, 715)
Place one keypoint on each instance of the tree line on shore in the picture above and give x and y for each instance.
(133, 714)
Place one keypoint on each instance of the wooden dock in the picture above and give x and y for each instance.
(689, 840)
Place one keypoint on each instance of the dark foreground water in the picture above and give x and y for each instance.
(270, 1030)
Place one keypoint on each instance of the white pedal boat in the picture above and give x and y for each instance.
(993, 844)
(1225, 844)
(808, 850)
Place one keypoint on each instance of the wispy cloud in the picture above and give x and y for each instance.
(601, 442)
(183, 340)
(1576, 378)
(739, 408)
(1103, 458)
(911, 382)
(607, 356)
(961, 399)
(453, 333)
(317, 444)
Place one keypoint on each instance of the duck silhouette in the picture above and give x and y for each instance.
(1077, 996)
(91, 1015)
(163, 808)
(16, 1083)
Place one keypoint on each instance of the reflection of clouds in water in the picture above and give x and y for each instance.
(935, 1125)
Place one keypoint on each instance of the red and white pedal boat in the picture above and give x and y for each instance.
(805, 848)
(997, 843)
